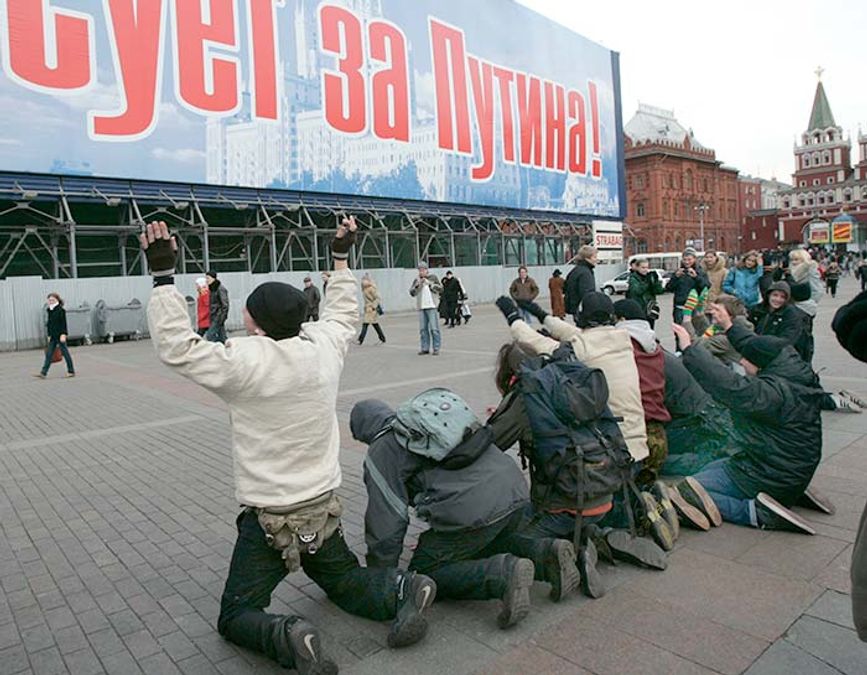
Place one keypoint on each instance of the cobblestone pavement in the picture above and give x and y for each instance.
(117, 524)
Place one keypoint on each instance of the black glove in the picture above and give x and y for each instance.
(508, 308)
(161, 257)
(534, 309)
(340, 245)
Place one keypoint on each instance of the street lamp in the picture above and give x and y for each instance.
(701, 208)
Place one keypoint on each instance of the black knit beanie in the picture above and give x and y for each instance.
(596, 309)
(279, 309)
(629, 309)
(760, 350)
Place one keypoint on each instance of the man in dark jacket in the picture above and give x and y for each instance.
(313, 300)
(689, 277)
(581, 280)
(451, 298)
(473, 501)
(776, 409)
(219, 299)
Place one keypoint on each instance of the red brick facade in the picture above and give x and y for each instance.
(669, 183)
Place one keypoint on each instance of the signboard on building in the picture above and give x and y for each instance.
(819, 232)
(842, 233)
(387, 98)
(608, 239)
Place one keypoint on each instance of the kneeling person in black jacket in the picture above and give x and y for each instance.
(473, 501)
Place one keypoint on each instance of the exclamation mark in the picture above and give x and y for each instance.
(596, 164)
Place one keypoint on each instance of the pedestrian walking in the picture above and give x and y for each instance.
(57, 333)
(203, 306)
(451, 296)
(556, 290)
(313, 299)
(581, 279)
(219, 308)
(861, 271)
(832, 277)
(426, 289)
(280, 385)
(372, 309)
(524, 289)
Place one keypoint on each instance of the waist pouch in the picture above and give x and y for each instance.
(300, 528)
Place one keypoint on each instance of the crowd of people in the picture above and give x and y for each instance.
(625, 442)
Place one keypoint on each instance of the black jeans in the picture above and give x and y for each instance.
(52, 345)
(468, 565)
(257, 568)
(452, 313)
(364, 332)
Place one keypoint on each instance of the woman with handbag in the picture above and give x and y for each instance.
(644, 286)
(57, 332)
(372, 309)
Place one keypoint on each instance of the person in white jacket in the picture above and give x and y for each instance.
(280, 385)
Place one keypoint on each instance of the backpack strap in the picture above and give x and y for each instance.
(395, 502)
(577, 538)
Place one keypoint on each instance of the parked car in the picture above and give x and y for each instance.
(619, 284)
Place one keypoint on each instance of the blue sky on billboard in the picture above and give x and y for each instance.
(740, 73)
(46, 131)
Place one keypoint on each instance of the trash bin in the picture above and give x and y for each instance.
(113, 321)
(79, 323)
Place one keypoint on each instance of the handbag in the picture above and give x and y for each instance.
(379, 310)
(652, 310)
(56, 356)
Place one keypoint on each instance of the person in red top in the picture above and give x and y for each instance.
(650, 361)
(203, 307)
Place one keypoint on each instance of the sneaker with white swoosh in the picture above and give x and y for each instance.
(307, 650)
(415, 593)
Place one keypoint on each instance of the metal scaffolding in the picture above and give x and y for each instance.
(71, 226)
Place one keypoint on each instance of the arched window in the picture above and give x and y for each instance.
(688, 182)
(639, 210)
(826, 157)
(847, 195)
(806, 160)
(786, 203)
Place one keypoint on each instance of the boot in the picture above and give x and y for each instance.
(297, 643)
(636, 550)
(774, 516)
(591, 581)
(688, 513)
(415, 593)
(816, 501)
(694, 493)
(661, 493)
(657, 527)
(559, 569)
(519, 574)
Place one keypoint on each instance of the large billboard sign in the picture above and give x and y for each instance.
(481, 102)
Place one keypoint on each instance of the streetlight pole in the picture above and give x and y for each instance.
(701, 208)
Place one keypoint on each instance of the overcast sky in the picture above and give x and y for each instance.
(740, 73)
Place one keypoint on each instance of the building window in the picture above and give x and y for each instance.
(826, 157)
(847, 196)
(786, 203)
(830, 180)
(802, 183)
(831, 198)
(816, 181)
(806, 161)
(639, 210)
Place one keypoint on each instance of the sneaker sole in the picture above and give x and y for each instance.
(708, 506)
(414, 627)
(591, 581)
(669, 513)
(691, 515)
(636, 550)
(570, 577)
(773, 505)
(658, 527)
(816, 502)
(518, 606)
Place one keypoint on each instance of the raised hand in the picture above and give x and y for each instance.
(534, 309)
(681, 336)
(160, 248)
(508, 308)
(344, 239)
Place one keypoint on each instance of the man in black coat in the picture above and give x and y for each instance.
(688, 277)
(776, 410)
(473, 501)
(219, 308)
(581, 280)
(451, 298)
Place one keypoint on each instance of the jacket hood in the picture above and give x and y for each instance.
(801, 271)
(641, 332)
(716, 267)
(368, 418)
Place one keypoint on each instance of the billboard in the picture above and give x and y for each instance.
(481, 102)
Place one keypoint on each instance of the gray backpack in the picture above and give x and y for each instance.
(434, 423)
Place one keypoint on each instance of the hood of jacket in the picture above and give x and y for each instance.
(717, 267)
(641, 332)
(368, 418)
(801, 271)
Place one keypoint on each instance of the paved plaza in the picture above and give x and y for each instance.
(117, 525)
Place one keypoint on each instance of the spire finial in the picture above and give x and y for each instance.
(819, 72)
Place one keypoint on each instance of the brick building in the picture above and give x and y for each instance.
(825, 185)
(673, 184)
(758, 200)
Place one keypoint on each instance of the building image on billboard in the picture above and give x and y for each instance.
(382, 98)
